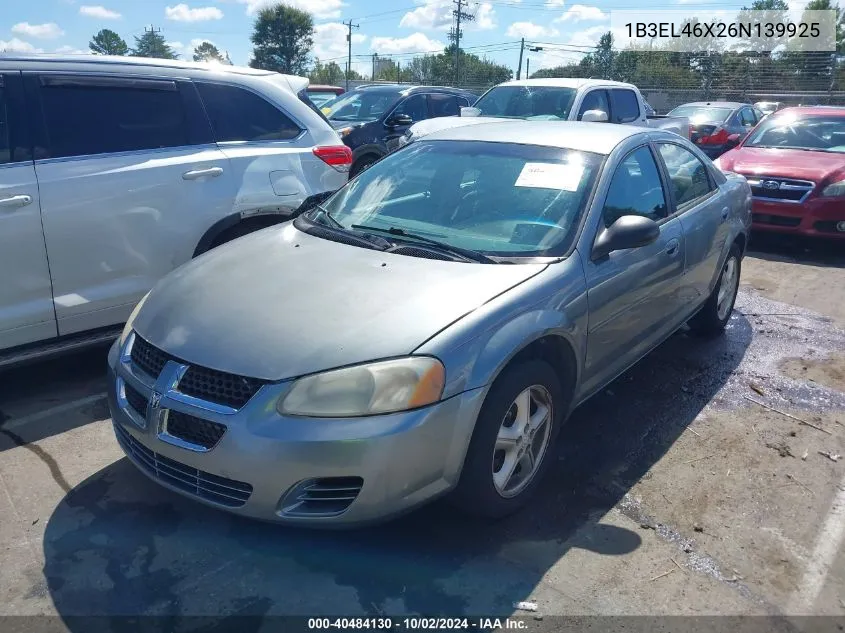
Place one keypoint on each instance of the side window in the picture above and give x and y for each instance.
(239, 115)
(415, 106)
(444, 105)
(595, 100)
(636, 189)
(687, 173)
(463, 102)
(5, 151)
(626, 105)
(746, 117)
(88, 115)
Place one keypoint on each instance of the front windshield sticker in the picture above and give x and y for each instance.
(565, 177)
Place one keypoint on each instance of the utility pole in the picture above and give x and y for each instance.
(152, 29)
(456, 34)
(375, 57)
(350, 26)
(519, 68)
(527, 68)
(398, 71)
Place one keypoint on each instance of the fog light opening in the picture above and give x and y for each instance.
(840, 226)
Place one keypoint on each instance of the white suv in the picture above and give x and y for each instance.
(114, 171)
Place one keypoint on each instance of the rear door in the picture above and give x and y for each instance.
(130, 180)
(703, 214)
(26, 298)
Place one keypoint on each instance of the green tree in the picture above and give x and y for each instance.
(107, 42)
(282, 38)
(152, 44)
(326, 74)
(208, 52)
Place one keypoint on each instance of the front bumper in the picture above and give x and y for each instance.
(263, 462)
(817, 217)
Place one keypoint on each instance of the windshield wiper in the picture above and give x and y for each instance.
(324, 219)
(464, 253)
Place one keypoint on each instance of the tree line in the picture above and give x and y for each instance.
(151, 44)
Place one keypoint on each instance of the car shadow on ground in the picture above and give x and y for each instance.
(780, 247)
(118, 544)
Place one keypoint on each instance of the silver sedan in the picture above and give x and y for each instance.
(430, 327)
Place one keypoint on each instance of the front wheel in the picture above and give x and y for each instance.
(716, 312)
(514, 433)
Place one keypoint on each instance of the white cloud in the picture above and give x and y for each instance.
(330, 43)
(530, 30)
(72, 50)
(320, 9)
(581, 12)
(98, 11)
(178, 47)
(49, 31)
(555, 4)
(416, 43)
(436, 15)
(183, 13)
(15, 45)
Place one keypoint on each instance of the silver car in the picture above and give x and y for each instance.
(430, 327)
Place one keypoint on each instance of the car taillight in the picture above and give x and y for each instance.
(718, 137)
(338, 156)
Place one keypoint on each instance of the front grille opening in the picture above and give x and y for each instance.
(136, 401)
(217, 386)
(323, 497)
(147, 357)
(197, 483)
(775, 220)
(194, 430)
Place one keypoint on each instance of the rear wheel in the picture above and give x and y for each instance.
(716, 312)
(514, 433)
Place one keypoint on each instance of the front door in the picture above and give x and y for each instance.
(26, 300)
(633, 293)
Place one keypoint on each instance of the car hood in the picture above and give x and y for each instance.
(430, 126)
(281, 303)
(784, 163)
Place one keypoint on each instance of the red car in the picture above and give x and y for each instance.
(794, 161)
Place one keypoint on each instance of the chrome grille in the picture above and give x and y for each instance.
(193, 430)
(327, 496)
(135, 400)
(147, 357)
(217, 386)
(780, 189)
(225, 492)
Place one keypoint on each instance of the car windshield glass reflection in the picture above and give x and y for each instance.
(360, 106)
(812, 133)
(698, 114)
(527, 102)
(497, 199)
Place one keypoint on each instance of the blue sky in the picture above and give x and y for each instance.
(401, 28)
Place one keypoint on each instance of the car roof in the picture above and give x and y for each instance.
(735, 105)
(409, 89)
(112, 60)
(835, 110)
(566, 82)
(599, 138)
(324, 87)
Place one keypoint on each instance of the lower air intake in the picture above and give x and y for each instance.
(324, 497)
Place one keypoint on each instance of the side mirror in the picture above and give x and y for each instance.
(595, 116)
(398, 120)
(629, 231)
(733, 140)
(470, 112)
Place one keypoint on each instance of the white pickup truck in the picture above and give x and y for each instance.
(555, 100)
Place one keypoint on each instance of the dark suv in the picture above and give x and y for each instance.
(372, 119)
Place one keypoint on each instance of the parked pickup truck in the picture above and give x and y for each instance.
(556, 100)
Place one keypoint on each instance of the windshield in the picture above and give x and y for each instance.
(497, 199)
(702, 114)
(320, 99)
(821, 133)
(527, 102)
(361, 106)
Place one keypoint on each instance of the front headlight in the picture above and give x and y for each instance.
(128, 327)
(835, 190)
(372, 389)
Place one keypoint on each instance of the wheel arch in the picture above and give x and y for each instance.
(217, 230)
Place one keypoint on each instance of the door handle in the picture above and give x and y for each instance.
(15, 201)
(672, 247)
(211, 172)
(725, 212)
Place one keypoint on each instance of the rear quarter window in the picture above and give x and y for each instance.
(240, 115)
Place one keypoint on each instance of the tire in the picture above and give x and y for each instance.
(715, 314)
(362, 165)
(480, 491)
